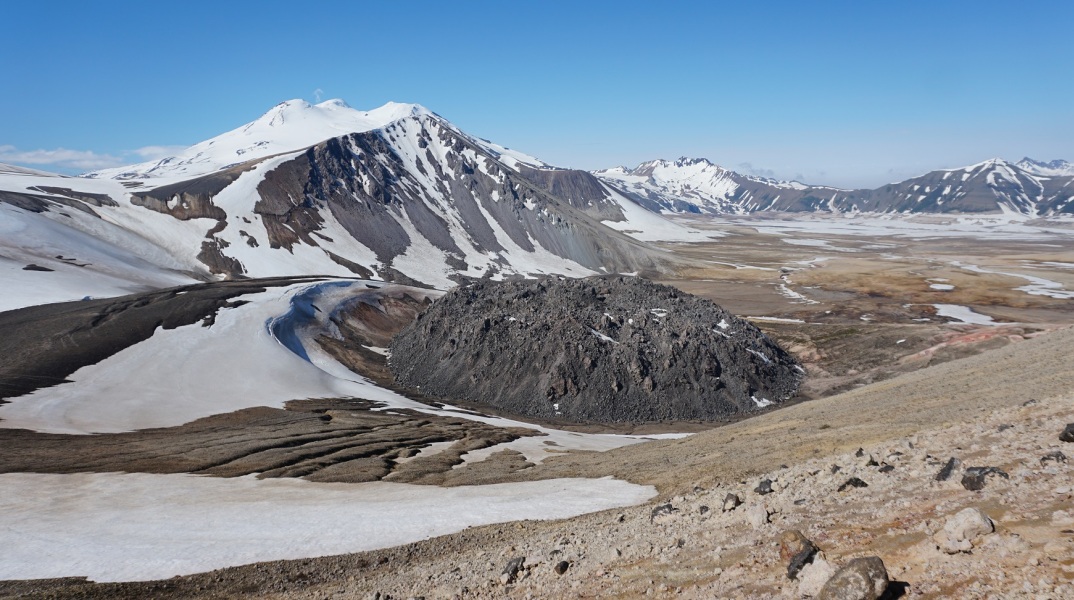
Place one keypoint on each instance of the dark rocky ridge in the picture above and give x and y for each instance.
(602, 349)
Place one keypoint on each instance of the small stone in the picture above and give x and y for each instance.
(763, 488)
(757, 516)
(731, 502)
(561, 567)
(1056, 456)
(796, 550)
(859, 579)
(953, 464)
(860, 453)
(663, 513)
(852, 482)
(974, 479)
(960, 530)
(1029, 402)
(1004, 427)
(703, 509)
(510, 572)
(1068, 433)
(887, 469)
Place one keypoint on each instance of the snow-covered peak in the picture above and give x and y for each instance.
(286, 127)
(1053, 168)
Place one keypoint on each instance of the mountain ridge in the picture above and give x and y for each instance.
(696, 185)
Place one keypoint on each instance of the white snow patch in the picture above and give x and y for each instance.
(760, 355)
(125, 527)
(963, 314)
(775, 319)
(601, 336)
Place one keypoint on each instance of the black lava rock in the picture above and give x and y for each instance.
(513, 567)
(949, 469)
(1056, 456)
(974, 479)
(853, 482)
(1068, 433)
(600, 349)
(763, 488)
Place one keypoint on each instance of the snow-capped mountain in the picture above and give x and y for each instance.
(397, 193)
(698, 186)
(1053, 168)
(288, 126)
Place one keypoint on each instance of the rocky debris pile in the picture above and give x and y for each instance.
(601, 349)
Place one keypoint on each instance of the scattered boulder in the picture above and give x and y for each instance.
(703, 509)
(796, 550)
(757, 515)
(953, 464)
(1055, 456)
(1068, 433)
(859, 579)
(561, 567)
(764, 488)
(960, 530)
(974, 479)
(853, 482)
(731, 502)
(511, 571)
(886, 469)
(600, 349)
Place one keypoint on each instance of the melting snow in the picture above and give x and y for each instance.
(963, 314)
(124, 527)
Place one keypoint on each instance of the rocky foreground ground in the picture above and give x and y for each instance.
(996, 521)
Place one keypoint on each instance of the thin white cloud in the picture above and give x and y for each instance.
(60, 157)
(317, 93)
(749, 169)
(157, 152)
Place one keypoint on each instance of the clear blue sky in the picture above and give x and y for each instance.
(845, 93)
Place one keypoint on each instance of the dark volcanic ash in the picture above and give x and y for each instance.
(603, 349)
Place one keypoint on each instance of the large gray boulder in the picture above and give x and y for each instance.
(601, 349)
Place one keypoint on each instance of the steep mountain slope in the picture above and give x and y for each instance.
(398, 193)
(992, 186)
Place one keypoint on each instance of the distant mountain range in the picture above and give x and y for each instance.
(692, 185)
(399, 193)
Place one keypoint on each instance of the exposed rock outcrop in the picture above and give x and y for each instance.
(604, 349)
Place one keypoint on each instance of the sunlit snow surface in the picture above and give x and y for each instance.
(125, 527)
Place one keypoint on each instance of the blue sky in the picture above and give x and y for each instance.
(844, 93)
